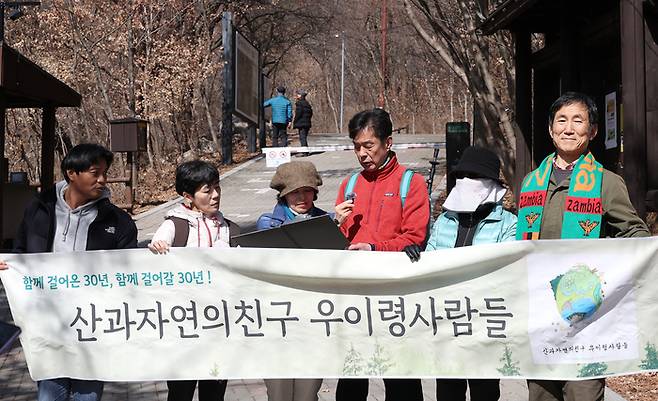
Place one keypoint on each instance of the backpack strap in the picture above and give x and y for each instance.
(233, 230)
(405, 183)
(350, 185)
(181, 231)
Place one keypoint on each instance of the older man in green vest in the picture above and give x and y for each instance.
(571, 195)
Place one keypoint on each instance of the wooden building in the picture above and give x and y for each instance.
(605, 48)
(23, 84)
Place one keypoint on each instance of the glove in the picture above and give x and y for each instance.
(413, 251)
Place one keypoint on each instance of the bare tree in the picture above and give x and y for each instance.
(160, 60)
(483, 64)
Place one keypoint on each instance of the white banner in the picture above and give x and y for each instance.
(532, 309)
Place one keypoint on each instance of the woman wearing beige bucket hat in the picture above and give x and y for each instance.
(297, 183)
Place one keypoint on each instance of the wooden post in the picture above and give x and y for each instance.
(131, 184)
(262, 135)
(48, 123)
(523, 106)
(633, 100)
(251, 138)
(3, 173)
(570, 48)
(229, 88)
(135, 174)
(384, 31)
(651, 85)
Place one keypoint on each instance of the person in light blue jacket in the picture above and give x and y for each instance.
(281, 117)
(473, 214)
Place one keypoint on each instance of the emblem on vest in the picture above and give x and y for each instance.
(587, 226)
(531, 218)
(111, 230)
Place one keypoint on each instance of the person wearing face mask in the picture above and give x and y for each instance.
(297, 184)
(473, 214)
(473, 211)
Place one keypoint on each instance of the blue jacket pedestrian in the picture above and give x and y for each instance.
(281, 108)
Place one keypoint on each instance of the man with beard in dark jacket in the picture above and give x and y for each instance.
(303, 115)
(75, 215)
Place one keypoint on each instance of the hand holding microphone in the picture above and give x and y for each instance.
(344, 209)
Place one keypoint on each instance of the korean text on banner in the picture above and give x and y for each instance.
(533, 309)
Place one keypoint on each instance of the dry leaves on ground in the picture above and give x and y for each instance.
(642, 387)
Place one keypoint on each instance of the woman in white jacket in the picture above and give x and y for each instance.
(196, 223)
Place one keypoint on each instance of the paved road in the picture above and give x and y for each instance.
(245, 195)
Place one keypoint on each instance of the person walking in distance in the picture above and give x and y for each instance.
(303, 116)
(281, 117)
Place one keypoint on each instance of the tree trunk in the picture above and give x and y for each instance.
(331, 103)
(452, 96)
(469, 57)
(211, 127)
(100, 84)
(131, 67)
(153, 149)
(85, 123)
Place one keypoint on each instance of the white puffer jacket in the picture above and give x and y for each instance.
(205, 231)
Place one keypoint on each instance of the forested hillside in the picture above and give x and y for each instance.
(161, 60)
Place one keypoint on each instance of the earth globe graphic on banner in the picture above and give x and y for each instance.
(578, 294)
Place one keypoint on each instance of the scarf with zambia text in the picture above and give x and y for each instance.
(582, 209)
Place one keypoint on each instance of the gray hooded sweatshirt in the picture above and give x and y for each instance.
(72, 225)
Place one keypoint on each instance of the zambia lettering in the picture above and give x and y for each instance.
(584, 205)
(534, 198)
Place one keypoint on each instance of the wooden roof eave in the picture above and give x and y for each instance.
(24, 84)
(505, 14)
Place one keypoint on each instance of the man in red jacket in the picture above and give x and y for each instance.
(383, 208)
